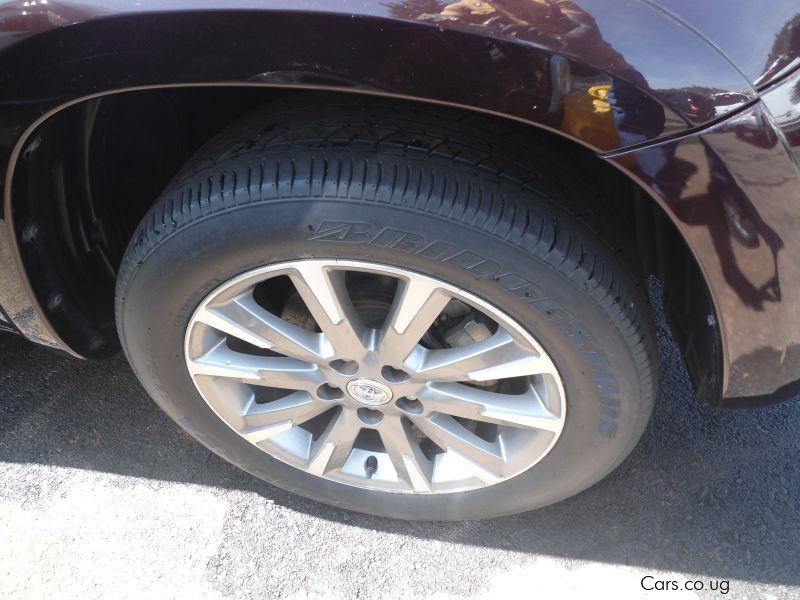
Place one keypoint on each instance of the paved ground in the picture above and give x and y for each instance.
(101, 495)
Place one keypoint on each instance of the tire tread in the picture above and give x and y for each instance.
(570, 236)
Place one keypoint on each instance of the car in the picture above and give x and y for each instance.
(394, 256)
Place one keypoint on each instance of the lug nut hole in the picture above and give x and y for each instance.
(393, 375)
(345, 366)
(410, 405)
(369, 416)
(329, 392)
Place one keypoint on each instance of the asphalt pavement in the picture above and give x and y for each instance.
(101, 495)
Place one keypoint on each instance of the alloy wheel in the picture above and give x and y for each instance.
(375, 376)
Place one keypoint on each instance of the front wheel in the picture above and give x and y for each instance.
(362, 321)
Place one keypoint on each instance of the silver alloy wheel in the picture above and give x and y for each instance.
(378, 407)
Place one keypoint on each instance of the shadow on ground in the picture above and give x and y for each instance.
(706, 492)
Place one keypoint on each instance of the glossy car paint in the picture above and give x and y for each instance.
(666, 91)
(734, 190)
(761, 39)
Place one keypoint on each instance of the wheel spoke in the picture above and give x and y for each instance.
(484, 459)
(333, 447)
(262, 421)
(497, 357)
(325, 295)
(243, 318)
(417, 304)
(272, 371)
(458, 400)
(405, 453)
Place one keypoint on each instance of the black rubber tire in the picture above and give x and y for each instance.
(427, 189)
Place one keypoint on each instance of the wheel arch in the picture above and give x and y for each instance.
(512, 74)
(46, 256)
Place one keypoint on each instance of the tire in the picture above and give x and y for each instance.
(425, 190)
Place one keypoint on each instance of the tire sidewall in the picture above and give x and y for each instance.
(605, 412)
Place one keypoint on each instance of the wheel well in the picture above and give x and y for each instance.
(88, 174)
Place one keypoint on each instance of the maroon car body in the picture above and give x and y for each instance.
(698, 103)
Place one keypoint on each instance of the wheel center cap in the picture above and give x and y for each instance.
(369, 392)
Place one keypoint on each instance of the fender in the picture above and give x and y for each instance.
(569, 66)
(572, 67)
